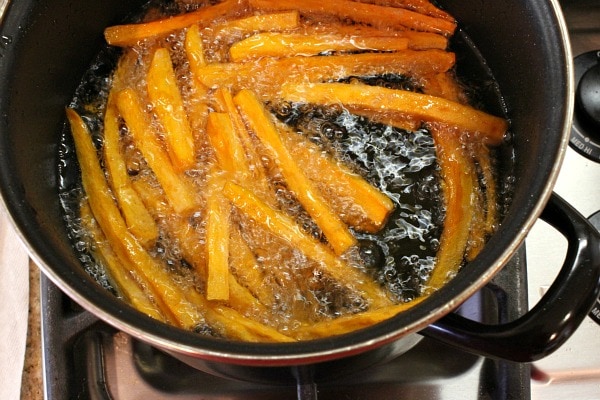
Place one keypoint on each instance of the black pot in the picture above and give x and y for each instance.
(46, 46)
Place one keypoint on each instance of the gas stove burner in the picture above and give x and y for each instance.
(585, 134)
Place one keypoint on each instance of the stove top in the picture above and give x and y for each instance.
(84, 358)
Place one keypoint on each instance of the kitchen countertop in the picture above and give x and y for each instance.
(32, 386)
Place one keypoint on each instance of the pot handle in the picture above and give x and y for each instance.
(555, 317)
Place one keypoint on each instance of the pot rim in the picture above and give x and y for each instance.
(116, 314)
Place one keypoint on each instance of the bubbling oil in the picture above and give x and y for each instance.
(400, 163)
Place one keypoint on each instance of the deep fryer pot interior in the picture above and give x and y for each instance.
(48, 44)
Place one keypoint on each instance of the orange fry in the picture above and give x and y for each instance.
(265, 76)
(228, 147)
(129, 35)
(194, 51)
(369, 208)
(458, 189)
(118, 270)
(168, 106)
(416, 40)
(285, 228)
(336, 232)
(420, 6)
(177, 190)
(123, 243)
(138, 219)
(379, 16)
(489, 128)
(217, 242)
(294, 44)
(270, 22)
(253, 165)
(349, 323)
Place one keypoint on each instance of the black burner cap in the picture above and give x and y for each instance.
(585, 135)
(588, 95)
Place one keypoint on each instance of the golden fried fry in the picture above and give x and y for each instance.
(379, 16)
(349, 323)
(336, 232)
(122, 242)
(217, 241)
(178, 191)
(421, 6)
(198, 104)
(252, 159)
(129, 35)
(285, 228)
(360, 204)
(270, 22)
(486, 127)
(416, 40)
(485, 210)
(247, 270)
(457, 188)
(298, 44)
(266, 76)
(138, 219)
(168, 106)
(118, 269)
(229, 150)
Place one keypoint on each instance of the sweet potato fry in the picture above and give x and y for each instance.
(444, 85)
(336, 232)
(236, 325)
(253, 161)
(457, 188)
(178, 190)
(122, 242)
(360, 204)
(247, 270)
(485, 211)
(217, 241)
(168, 106)
(270, 22)
(420, 6)
(129, 35)
(349, 323)
(192, 245)
(229, 150)
(138, 219)
(298, 44)
(265, 76)
(285, 228)
(486, 127)
(416, 40)
(198, 104)
(379, 16)
(118, 269)
(194, 49)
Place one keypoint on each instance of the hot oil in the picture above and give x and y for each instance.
(401, 163)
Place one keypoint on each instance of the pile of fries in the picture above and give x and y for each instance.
(192, 156)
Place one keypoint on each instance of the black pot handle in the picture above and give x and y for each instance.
(555, 317)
